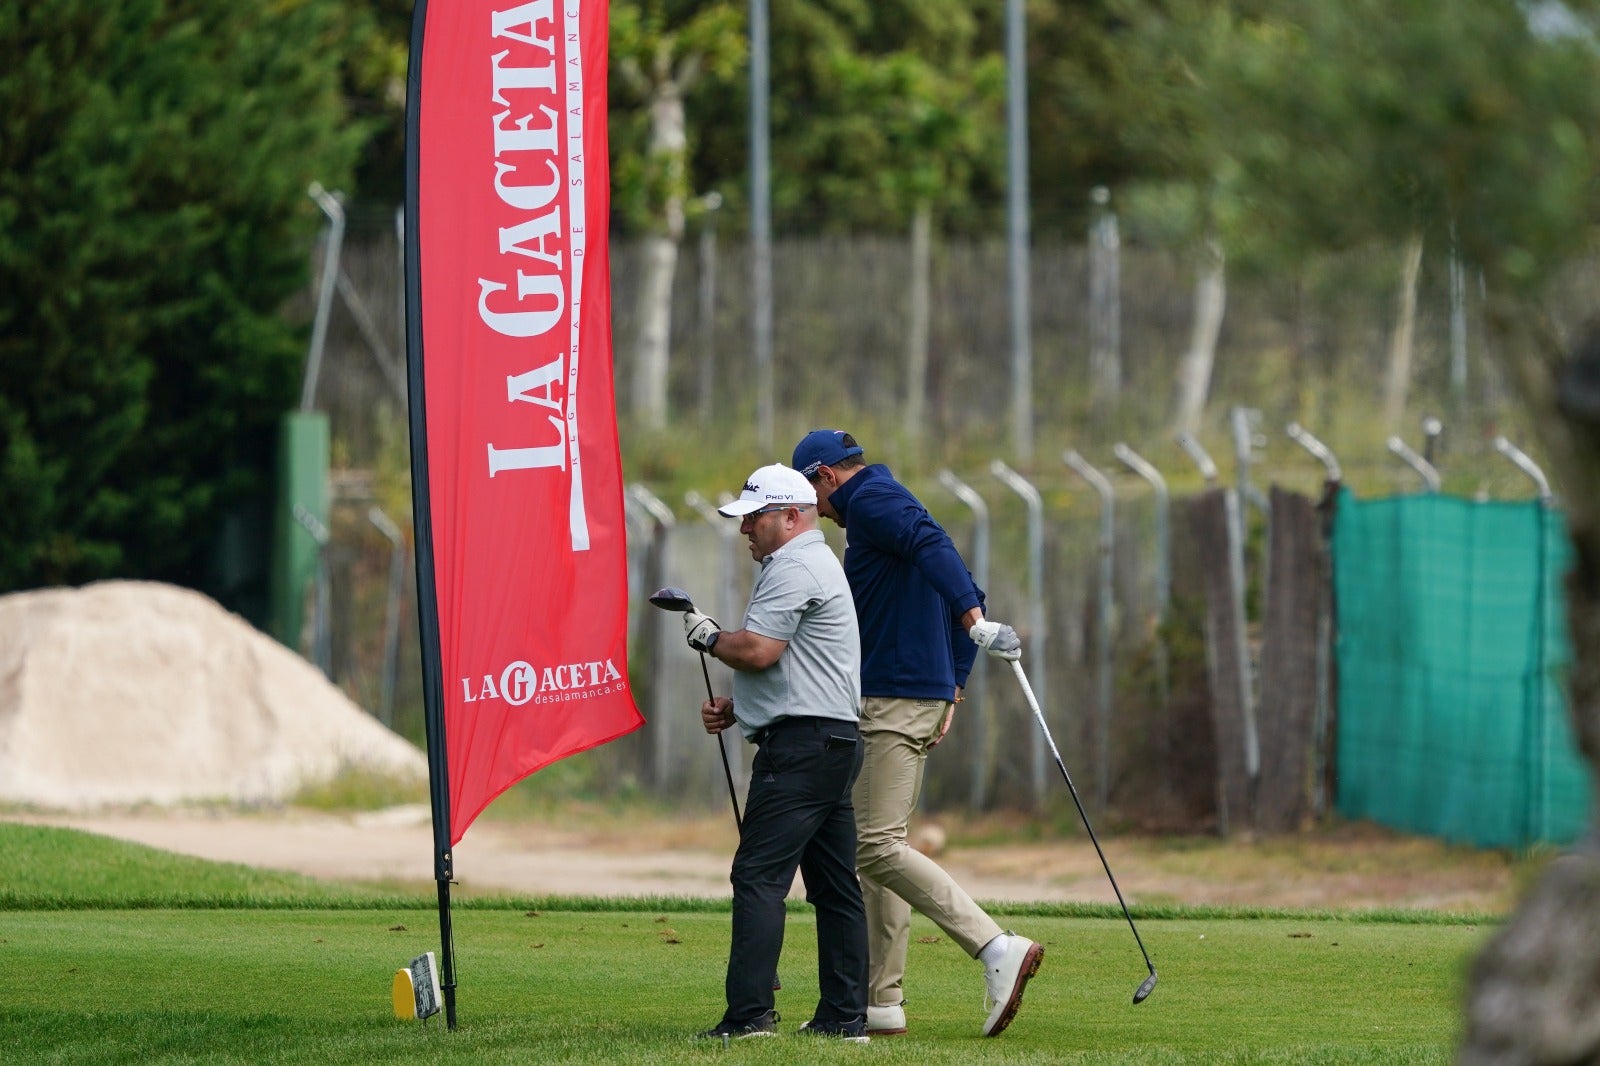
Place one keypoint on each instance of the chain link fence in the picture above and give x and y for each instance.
(1129, 678)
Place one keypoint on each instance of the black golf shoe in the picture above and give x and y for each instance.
(765, 1025)
(851, 1032)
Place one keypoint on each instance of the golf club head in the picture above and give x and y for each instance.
(1145, 989)
(672, 598)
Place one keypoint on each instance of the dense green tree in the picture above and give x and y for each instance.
(154, 161)
(868, 100)
(1431, 117)
(1105, 103)
(374, 47)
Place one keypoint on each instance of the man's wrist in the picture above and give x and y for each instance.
(711, 642)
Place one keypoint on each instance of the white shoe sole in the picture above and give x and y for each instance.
(1005, 1012)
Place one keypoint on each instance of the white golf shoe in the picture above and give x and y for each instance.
(886, 1021)
(1005, 980)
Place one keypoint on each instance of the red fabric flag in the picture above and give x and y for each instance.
(511, 279)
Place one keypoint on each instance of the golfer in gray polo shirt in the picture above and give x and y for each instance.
(796, 694)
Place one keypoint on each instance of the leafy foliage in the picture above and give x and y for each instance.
(1358, 125)
(661, 50)
(154, 158)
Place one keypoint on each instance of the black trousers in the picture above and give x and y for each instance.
(799, 816)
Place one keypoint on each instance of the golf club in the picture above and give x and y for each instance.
(1149, 984)
(676, 600)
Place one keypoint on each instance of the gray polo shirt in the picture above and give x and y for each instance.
(801, 596)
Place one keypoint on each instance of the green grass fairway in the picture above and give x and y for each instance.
(296, 979)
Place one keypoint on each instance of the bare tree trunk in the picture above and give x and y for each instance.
(655, 331)
(1105, 307)
(1194, 369)
(1397, 382)
(668, 147)
(917, 322)
(1532, 992)
(707, 319)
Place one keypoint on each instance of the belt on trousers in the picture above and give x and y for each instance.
(767, 732)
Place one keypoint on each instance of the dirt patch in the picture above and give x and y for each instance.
(1343, 868)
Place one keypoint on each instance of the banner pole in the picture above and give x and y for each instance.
(447, 967)
(422, 520)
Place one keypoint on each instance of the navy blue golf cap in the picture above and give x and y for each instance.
(822, 447)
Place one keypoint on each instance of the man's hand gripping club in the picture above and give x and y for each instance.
(996, 638)
(700, 630)
(716, 714)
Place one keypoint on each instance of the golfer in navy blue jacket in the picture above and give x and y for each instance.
(922, 622)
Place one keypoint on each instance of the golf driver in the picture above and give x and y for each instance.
(676, 600)
(1149, 984)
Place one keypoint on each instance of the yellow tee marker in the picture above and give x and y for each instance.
(404, 993)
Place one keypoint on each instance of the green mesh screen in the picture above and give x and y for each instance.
(1453, 654)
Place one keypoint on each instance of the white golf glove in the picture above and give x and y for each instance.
(699, 629)
(996, 638)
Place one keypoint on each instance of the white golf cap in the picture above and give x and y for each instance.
(771, 486)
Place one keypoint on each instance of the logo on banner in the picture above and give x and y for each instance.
(521, 682)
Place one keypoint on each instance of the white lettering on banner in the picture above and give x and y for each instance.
(520, 682)
(524, 388)
(524, 15)
(522, 323)
(529, 301)
(577, 213)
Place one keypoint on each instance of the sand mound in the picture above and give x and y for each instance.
(133, 692)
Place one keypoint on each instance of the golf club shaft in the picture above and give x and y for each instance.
(722, 749)
(1033, 704)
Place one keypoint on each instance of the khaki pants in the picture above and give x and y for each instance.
(894, 876)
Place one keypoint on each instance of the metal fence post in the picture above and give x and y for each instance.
(1207, 468)
(1330, 462)
(977, 689)
(1323, 714)
(1431, 430)
(1520, 459)
(329, 202)
(1245, 439)
(1252, 742)
(1163, 503)
(1424, 469)
(1104, 679)
(391, 614)
(1036, 613)
(1244, 422)
(662, 522)
(1536, 803)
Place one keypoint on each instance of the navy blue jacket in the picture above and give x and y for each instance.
(910, 587)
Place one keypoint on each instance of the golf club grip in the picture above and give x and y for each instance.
(1033, 705)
